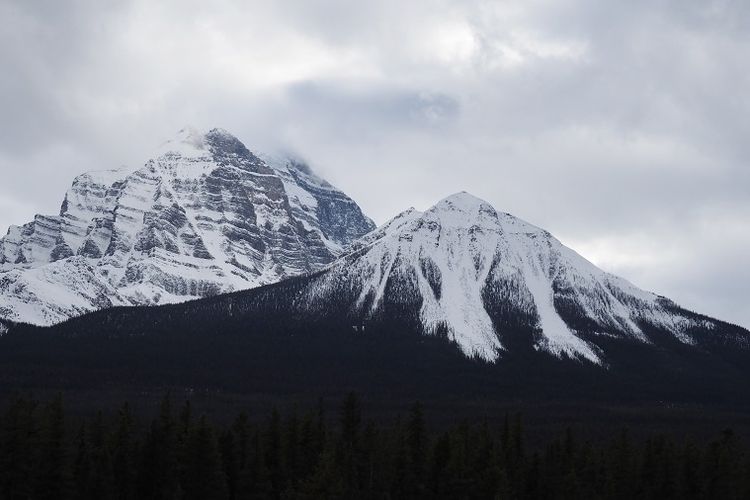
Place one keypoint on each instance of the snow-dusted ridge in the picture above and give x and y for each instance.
(477, 274)
(203, 216)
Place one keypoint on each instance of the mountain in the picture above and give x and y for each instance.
(478, 276)
(460, 303)
(204, 216)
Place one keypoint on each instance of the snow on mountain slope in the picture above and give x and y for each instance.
(64, 288)
(204, 216)
(478, 275)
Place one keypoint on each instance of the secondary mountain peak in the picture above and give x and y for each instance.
(463, 202)
(493, 283)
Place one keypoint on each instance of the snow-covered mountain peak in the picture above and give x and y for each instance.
(463, 202)
(464, 211)
(481, 276)
(460, 213)
(203, 215)
(188, 141)
(192, 143)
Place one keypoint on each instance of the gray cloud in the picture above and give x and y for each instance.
(620, 127)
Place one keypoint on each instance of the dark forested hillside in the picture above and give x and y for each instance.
(261, 345)
(338, 451)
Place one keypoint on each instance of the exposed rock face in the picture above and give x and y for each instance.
(204, 216)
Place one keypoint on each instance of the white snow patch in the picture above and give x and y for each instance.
(558, 337)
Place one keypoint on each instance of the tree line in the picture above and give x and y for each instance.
(181, 455)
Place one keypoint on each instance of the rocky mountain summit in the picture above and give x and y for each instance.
(204, 216)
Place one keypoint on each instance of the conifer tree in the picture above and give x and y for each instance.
(621, 477)
(416, 440)
(101, 476)
(229, 450)
(441, 457)
(261, 485)
(124, 449)
(351, 419)
(205, 478)
(458, 469)
(310, 444)
(486, 464)
(274, 454)
(245, 449)
(371, 460)
(52, 481)
(400, 480)
(722, 466)
(82, 463)
(326, 481)
(159, 473)
(19, 439)
(292, 452)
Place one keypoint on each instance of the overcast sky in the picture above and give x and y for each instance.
(621, 127)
